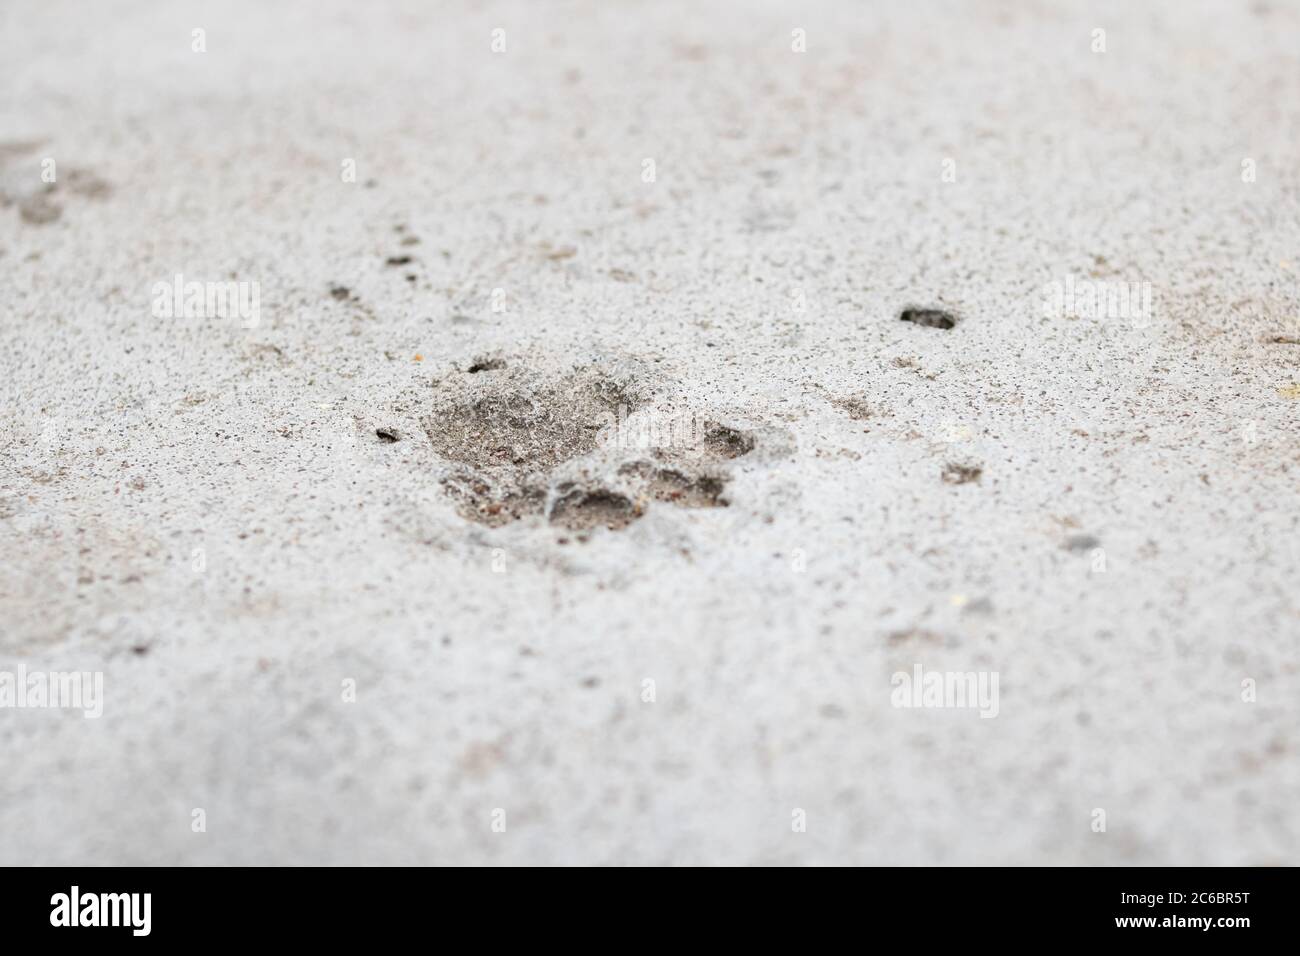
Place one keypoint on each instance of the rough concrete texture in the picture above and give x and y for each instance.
(409, 478)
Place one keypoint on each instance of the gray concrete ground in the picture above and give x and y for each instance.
(503, 631)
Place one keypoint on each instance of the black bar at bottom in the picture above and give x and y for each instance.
(336, 906)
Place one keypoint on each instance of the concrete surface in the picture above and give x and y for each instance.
(430, 647)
